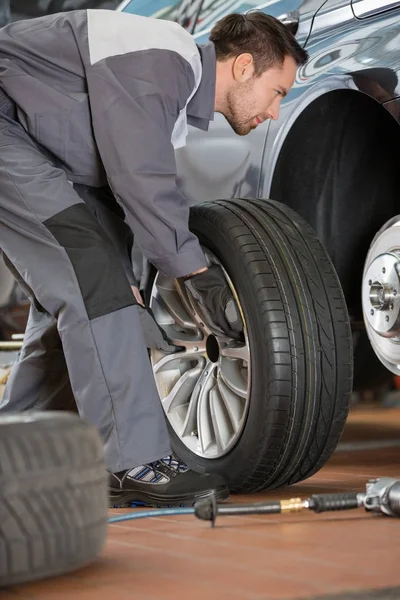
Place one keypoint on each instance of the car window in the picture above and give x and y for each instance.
(193, 15)
(160, 9)
(183, 12)
(213, 10)
(199, 16)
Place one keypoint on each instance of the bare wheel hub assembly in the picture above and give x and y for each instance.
(381, 295)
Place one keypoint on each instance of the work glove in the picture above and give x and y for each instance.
(215, 302)
(154, 336)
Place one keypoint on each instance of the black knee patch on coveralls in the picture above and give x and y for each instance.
(101, 277)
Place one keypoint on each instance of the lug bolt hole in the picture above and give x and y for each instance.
(383, 270)
(386, 318)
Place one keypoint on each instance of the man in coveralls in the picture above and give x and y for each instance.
(93, 104)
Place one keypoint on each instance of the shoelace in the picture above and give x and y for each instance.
(173, 464)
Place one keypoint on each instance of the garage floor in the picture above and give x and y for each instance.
(258, 558)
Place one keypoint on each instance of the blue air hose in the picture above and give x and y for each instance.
(160, 512)
(381, 495)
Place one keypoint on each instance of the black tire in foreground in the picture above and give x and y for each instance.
(53, 496)
(299, 338)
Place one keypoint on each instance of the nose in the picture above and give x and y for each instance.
(273, 110)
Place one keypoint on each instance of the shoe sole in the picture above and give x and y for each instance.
(118, 499)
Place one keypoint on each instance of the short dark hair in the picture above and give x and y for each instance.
(267, 39)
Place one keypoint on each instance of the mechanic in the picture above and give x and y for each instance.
(99, 100)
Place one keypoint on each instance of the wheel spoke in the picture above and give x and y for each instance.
(239, 352)
(189, 341)
(190, 422)
(164, 362)
(192, 309)
(182, 390)
(189, 426)
(205, 430)
(170, 300)
(234, 404)
(231, 375)
(221, 421)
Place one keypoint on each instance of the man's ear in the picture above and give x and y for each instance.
(243, 67)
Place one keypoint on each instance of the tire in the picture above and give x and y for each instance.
(299, 337)
(53, 496)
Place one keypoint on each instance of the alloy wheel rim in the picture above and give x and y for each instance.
(205, 388)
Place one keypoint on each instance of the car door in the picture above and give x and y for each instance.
(363, 9)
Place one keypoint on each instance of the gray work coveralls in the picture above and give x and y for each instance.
(95, 98)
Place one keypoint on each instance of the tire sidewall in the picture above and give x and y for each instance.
(239, 459)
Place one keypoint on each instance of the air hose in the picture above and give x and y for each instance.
(159, 512)
(381, 496)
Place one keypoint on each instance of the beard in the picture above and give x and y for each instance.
(238, 110)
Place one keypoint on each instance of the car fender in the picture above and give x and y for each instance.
(345, 54)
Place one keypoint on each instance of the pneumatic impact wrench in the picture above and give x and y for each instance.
(381, 496)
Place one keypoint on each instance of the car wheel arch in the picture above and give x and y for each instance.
(344, 184)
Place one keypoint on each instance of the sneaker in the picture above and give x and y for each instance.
(167, 482)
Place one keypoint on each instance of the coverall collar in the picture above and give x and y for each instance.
(200, 110)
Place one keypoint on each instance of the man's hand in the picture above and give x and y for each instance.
(137, 295)
(215, 302)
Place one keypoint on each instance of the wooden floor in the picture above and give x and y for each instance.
(256, 558)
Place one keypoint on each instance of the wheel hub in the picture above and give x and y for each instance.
(381, 297)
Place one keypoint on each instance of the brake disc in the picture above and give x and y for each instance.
(381, 294)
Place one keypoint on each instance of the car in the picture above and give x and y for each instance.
(27, 8)
(332, 154)
(332, 157)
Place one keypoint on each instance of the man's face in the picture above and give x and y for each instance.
(251, 100)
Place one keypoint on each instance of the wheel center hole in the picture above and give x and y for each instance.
(212, 348)
(380, 296)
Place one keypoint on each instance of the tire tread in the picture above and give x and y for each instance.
(273, 232)
(53, 497)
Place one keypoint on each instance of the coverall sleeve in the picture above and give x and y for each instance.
(134, 110)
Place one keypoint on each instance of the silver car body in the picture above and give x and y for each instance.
(353, 48)
(342, 38)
